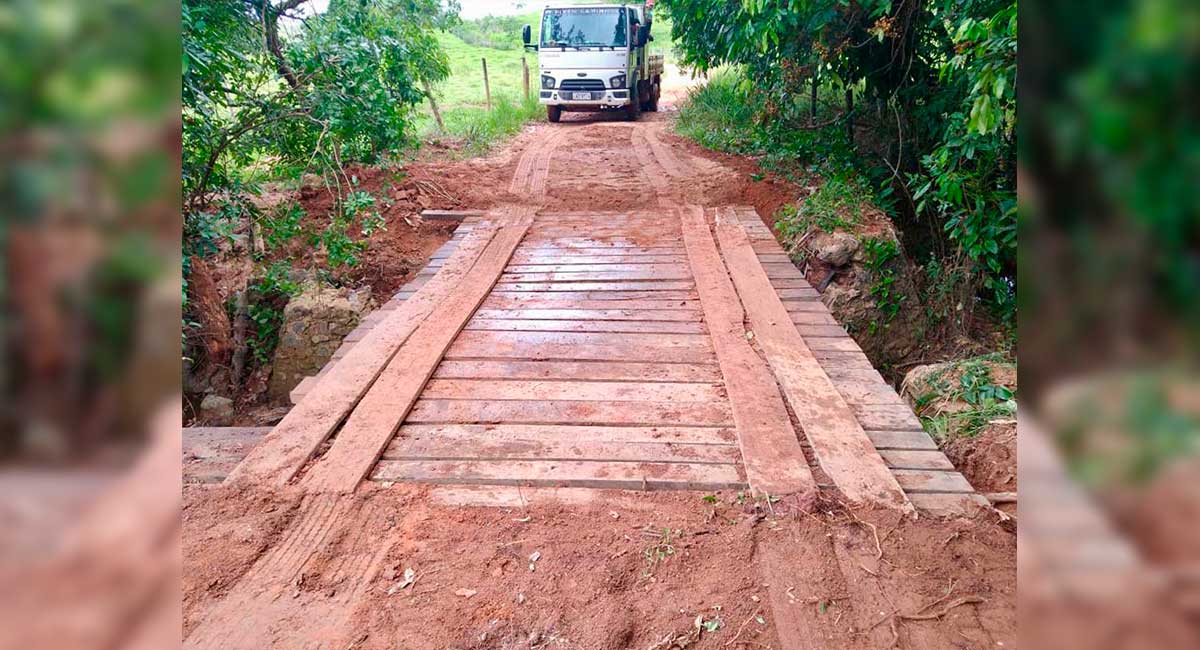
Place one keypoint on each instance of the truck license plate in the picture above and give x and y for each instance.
(585, 96)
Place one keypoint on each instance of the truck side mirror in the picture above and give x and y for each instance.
(527, 34)
(643, 35)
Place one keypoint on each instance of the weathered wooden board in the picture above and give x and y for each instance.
(577, 390)
(774, 461)
(684, 315)
(601, 370)
(842, 448)
(573, 432)
(604, 475)
(383, 408)
(637, 414)
(294, 440)
(599, 327)
(432, 447)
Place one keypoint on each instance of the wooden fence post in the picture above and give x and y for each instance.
(487, 89)
(437, 115)
(525, 76)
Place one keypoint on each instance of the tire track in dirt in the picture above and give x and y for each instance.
(533, 168)
(652, 166)
(672, 165)
(318, 565)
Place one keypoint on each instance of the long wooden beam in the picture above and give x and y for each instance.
(375, 420)
(774, 461)
(841, 446)
(284, 451)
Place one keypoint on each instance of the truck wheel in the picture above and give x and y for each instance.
(633, 109)
(554, 113)
(654, 94)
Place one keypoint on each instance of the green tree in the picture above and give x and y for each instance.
(929, 106)
(268, 86)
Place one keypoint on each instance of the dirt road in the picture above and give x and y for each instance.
(608, 220)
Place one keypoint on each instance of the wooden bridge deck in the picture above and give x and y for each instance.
(671, 348)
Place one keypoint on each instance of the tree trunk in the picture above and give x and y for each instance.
(206, 306)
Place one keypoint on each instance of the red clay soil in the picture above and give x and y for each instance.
(627, 570)
(988, 460)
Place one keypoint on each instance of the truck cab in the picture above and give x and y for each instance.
(596, 58)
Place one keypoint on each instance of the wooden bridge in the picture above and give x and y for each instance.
(675, 347)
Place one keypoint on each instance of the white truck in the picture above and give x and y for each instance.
(596, 58)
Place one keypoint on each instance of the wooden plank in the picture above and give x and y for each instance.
(676, 348)
(544, 248)
(449, 215)
(664, 273)
(771, 452)
(886, 416)
(909, 459)
(901, 440)
(593, 370)
(920, 480)
(484, 448)
(811, 331)
(644, 414)
(794, 306)
(588, 391)
(606, 475)
(566, 266)
(209, 453)
(525, 302)
(578, 298)
(376, 418)
(600, 326)
(813, 318)
(289, 446)
(576, 433)
(798, 294)
(857, 391)
(631, 285)
(842, 448)
(842, 343)
(576, 259)
(592, 314)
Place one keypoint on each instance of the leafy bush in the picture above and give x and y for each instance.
(259, 102)
(918, 97)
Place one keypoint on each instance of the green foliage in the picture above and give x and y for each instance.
(282, 224)
(880, 253)
(933, 84)
(341, 86)
(969, 381)
(269, 293)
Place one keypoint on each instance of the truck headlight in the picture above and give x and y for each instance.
(547, 81)
(617, 81)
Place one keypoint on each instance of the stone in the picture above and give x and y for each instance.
(834, 249)
(216, 410)
(314, 324)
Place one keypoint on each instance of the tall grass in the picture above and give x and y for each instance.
(480, 129)
(719, 115)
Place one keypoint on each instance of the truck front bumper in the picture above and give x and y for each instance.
(573, 98)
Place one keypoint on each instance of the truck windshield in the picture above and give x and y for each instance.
(584, 27)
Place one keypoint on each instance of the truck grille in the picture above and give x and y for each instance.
(582, 84)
